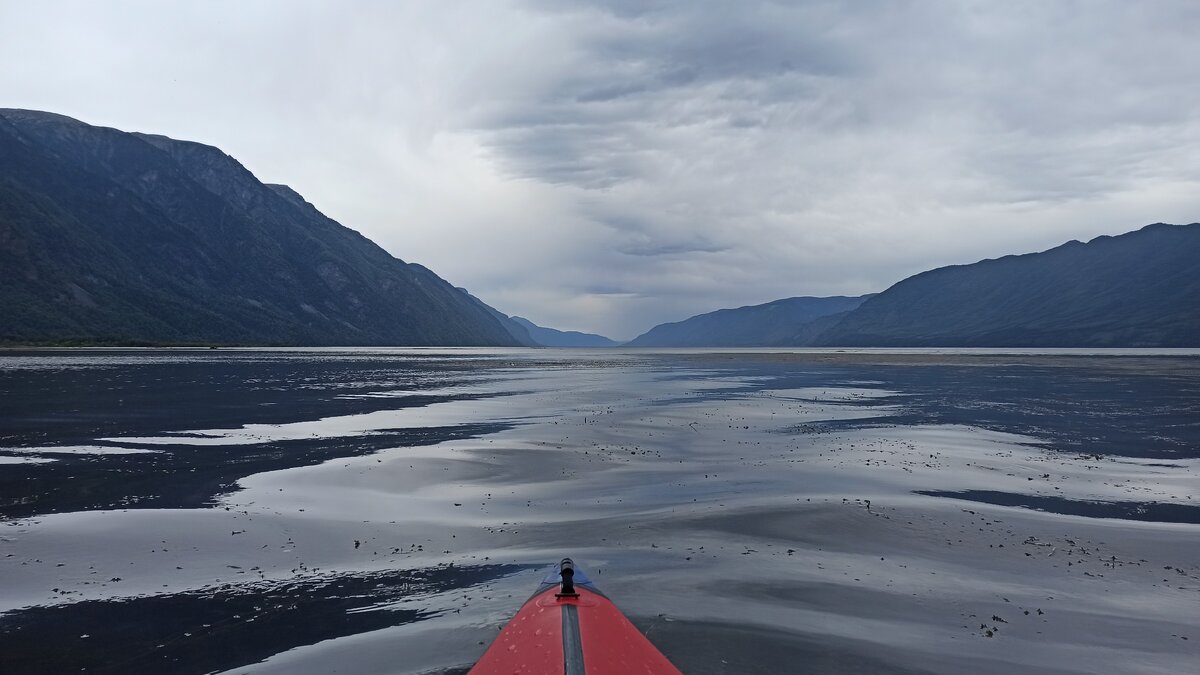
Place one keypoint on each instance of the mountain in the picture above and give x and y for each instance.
(115, 237)
(1140, 289)
(514, 328)
(780, 323)
(549, 337)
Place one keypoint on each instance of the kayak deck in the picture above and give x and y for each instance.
(572, 629)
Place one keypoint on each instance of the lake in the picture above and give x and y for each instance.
(753, 511)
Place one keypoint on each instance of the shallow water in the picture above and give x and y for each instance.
(753, 511)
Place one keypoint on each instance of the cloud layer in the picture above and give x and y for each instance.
(606, 166)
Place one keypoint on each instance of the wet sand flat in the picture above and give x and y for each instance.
(753, 511)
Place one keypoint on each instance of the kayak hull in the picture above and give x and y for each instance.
(574, 634)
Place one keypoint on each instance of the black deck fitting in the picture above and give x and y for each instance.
(567, 570)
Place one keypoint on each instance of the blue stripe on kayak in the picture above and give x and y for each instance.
(572, 641)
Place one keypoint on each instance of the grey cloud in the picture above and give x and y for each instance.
(607, 165)
(611, 92)
(601, 289)
(643, 74)
(680, 65)
(669, 248)
(825, 142)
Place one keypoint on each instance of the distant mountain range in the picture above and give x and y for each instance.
(551, 337)
(1140, 289)
(115, 237)
(109, 237)
(779, 323)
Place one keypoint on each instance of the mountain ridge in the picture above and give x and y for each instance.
(1137, 289)
(770, 324)
(114, 237)
(117, 237)
(552, 337)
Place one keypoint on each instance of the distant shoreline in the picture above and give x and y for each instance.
(1178, 358)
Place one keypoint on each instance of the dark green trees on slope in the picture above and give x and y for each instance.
(107, 236)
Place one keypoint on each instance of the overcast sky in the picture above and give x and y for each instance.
(606, 166)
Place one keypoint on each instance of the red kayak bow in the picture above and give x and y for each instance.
(569, 627)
